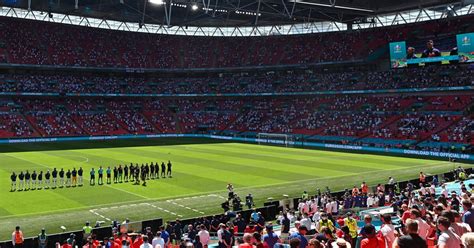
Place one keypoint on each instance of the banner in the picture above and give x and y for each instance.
(398, 54)
(388, 151)
(465, 44)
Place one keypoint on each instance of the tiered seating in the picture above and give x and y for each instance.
(59, 44)
(14, 125)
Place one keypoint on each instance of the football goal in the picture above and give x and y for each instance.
(276, 138)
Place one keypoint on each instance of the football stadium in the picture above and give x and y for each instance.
(237, 123)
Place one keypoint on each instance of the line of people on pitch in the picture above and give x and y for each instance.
(55, 179)
(132, 173)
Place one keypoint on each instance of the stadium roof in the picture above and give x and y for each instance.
(232, 12)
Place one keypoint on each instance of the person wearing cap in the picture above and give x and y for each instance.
(351, 223)
(270, 238)
(302, 230)
(17, 238)
(340, 243)
(42, 239)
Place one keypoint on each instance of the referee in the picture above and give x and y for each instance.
(13, 178)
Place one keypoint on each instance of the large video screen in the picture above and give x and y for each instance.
(447, 50)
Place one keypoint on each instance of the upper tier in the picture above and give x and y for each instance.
(42, 43)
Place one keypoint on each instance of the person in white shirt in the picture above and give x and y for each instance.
(306, 221)
(145, 243)
(314, 207)
(444, 191)
(370, 200)
(158, 240)
(387, 229)
(447, 238)
(423, 227)
(204, 236)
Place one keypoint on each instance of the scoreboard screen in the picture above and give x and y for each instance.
(459, 49)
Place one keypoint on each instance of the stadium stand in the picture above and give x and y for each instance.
(426, 108)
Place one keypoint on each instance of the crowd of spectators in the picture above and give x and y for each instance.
(378, 120)
(420, 213)
(46, 43)
(281, 82)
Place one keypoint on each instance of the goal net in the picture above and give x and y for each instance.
(276, 138)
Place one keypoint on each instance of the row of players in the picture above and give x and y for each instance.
(33, 181)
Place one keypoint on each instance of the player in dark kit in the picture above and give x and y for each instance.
(34, 176)
(147, 171)
(13, 178)
(144, 174)
(54, 174)
(47, 177)
(120, 174)
(152, 170)
(163, 168)
(430, 50)
(168, 172)
(61, 178)
(115, 175)
(157, 170)
(132, 173)
(21, 177)
(68, 178)
(125, 173)
(80, 172)
(27, 180)
(136, 175)
(40, 181)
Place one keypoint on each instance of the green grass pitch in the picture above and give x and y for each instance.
(201, 172)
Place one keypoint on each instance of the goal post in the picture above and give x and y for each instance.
(276, 138)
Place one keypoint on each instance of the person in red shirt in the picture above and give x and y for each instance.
(355, 191)
(138, 241)
(66, 245)
(371, 240)
(422, 177)
(406, 213)
(364, 188)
